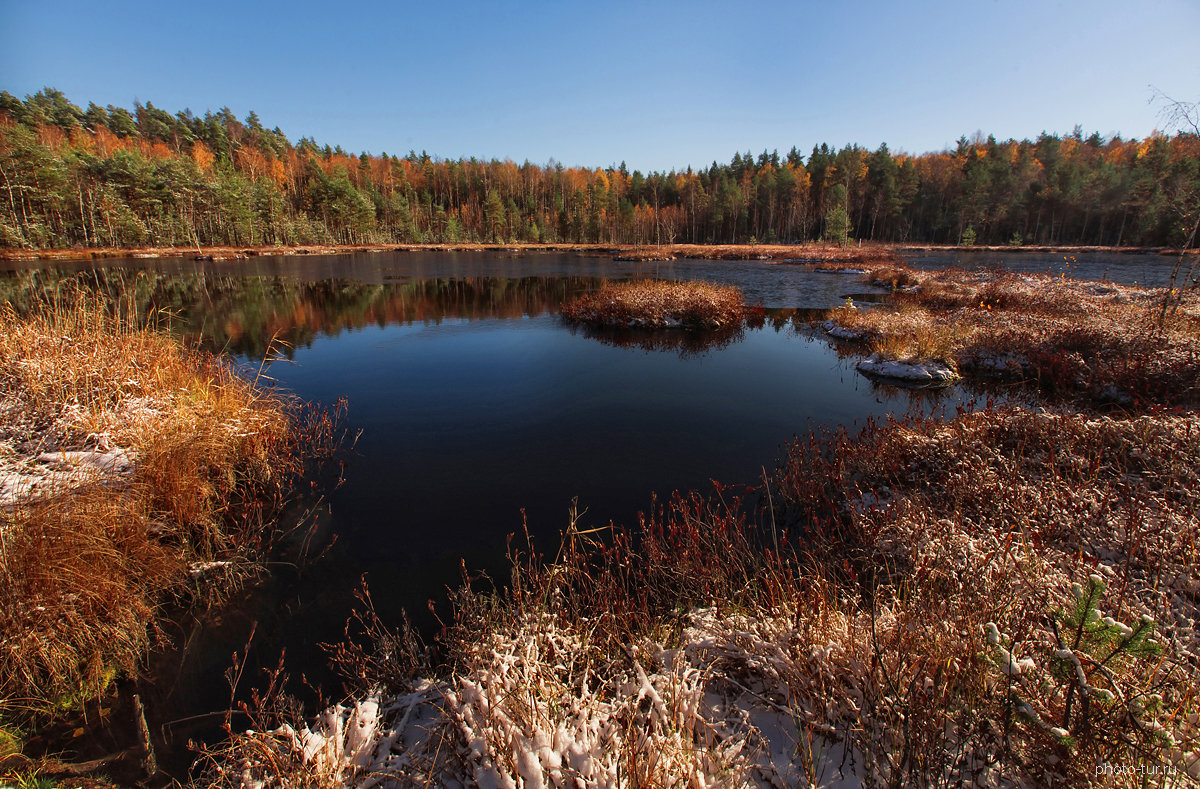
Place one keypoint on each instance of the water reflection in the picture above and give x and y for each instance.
(681, 341)
(244, 315)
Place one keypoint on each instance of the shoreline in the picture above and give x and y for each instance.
(1049, 249)
(140, 478)
(808, 252)
(649, 252)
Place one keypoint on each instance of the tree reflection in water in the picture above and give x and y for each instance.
(685, 342)
(244, 315)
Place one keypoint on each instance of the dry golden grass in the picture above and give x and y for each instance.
(907, 331)
(85, 566)
(1072, 339)
(871, 252)
(674, 652)
(990, 518)
(652, 303)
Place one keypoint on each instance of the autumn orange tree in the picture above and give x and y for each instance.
(106, 176)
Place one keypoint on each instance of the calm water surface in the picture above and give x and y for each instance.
(480, 410)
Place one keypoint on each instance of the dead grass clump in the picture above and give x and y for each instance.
(1077, 341)
(77, 603)
(597, 719)
(905, 331)
(659, 304)
(1058, 550)
(894, 276)
(86, 560)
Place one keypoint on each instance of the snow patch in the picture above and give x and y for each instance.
(997, 363)
(931, 372)
(832, 328)
(52, 472)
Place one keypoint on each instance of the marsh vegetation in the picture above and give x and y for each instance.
(1002, 595)
(659, 304)
(1095, 342)
(139, 476)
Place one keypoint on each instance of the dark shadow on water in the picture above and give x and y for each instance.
(684, 342)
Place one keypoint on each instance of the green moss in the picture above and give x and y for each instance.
(10, 741)
(91, 686)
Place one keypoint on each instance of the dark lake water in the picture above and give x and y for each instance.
(480, 410)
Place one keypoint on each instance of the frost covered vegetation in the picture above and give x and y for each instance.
(656, 304)
(1003, 598)
(1086, 342)
(131, 469)
(1007, 598)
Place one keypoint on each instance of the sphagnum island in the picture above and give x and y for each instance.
(847, 468)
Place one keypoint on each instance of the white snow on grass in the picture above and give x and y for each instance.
(53, 472)
(916, 371)
(1003, 364)
(833, 329)
(540, 708)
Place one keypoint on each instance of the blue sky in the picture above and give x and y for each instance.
(659, 85)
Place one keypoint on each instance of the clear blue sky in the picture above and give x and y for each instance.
(658, 84)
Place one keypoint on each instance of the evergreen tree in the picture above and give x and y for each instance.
(837, 220)
(104, 177)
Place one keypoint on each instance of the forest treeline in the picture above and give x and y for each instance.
(111, 177)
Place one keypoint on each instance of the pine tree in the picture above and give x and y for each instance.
(837, 221)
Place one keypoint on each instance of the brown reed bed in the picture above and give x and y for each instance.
(1005, 598)
(1073, 340)
(93, 552)
(656, 304)
(874, 252)
(999, 523)
(909, 611)
(811, 252)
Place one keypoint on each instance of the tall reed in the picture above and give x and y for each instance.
(87, 561)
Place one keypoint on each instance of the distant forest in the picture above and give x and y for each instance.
(110, 177)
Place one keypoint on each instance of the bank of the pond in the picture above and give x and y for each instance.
(1007, 597)
(996, 600)
(1101, 343)
(137, 475)
(810, 252)
(1026, 249)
